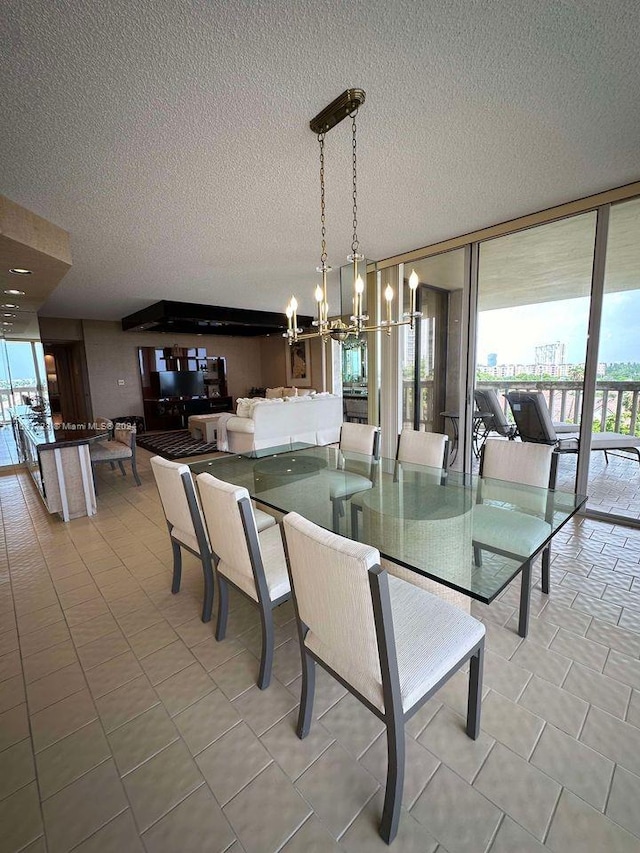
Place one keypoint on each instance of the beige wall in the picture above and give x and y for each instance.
(60, 329)
(274, 362)
(112, 355)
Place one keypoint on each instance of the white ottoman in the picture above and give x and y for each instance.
(204, 427)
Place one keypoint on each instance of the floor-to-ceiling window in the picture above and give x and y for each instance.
(533, 312)
(431, 352)
(614, 481)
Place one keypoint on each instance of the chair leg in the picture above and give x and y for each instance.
(395, 779)
(477, 555)
(266, 660)
(474, 704)
(546, 569)
(525, 600)
(207, 605)
(354, 521)
(113, 466)
(177, 567)
(306, 695)
(223, 606)
(121, 467)
(134, 470)
(336, 504)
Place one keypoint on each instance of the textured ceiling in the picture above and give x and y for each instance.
(171, 138)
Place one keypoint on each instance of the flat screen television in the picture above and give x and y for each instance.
(181, 383)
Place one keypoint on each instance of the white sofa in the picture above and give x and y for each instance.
(260, 423)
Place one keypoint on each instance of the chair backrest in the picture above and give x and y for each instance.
(178, 497)
(359, 438)
(422, 448)
(227, 535)
(104, 423)
(330, 584)
(125, 434)
(487, 400)
(526, 464)
(532, 417)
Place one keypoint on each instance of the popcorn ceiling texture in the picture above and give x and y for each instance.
(171, 138)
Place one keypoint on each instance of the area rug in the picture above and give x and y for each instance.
(174, 444)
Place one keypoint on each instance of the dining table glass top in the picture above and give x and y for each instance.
(418, 517)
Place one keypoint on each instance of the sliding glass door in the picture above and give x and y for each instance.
(614, 478)
(533, 311)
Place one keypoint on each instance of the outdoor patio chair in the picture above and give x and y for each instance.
(514, 533)
(353, 474)
(487, 402)
(424, 449)
(532, 416)
(252, 562)
(391, 644)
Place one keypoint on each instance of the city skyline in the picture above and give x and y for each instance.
(514, 333)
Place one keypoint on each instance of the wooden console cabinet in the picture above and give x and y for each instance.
(161, 367)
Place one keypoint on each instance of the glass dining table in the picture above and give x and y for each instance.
(420, 519)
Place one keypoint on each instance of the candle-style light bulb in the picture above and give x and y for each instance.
(318, 294)
(294, 309)
(359, 287)
(388, 295)
(414, 281)
(289, 313)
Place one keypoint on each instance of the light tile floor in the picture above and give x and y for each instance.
(124, 725)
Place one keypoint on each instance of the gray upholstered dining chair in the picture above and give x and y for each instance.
(391, 644)
(428, 449)
(354, 473)
(504, 466)
(185, 523)
(252, 562)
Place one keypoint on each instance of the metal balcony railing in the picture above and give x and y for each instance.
(616, 405)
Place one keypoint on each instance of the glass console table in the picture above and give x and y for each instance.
(418, 518)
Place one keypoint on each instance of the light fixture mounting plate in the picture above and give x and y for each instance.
(343, 106)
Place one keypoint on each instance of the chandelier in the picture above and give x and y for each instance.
(346, 105)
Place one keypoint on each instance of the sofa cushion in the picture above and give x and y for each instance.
(272, 393)
(237, 424)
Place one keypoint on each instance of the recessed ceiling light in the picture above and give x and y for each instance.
(7, 324)
(20, 271)
(9, 305)
(11, 292)
(7, 314)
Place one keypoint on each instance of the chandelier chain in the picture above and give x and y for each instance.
(323, 254)
(354, 243)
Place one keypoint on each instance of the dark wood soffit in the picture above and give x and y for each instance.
(193, 318)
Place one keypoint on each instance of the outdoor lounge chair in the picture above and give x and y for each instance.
(533, 419)
(487, 403)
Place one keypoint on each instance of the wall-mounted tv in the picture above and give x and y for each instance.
(181, 383)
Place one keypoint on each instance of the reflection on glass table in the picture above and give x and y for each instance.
(420, 519)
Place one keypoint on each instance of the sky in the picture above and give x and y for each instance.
(20, 361)
(513, 333)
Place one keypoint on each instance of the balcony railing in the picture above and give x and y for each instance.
(616, 405)
(615, 409)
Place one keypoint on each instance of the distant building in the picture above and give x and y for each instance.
(550, 353)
